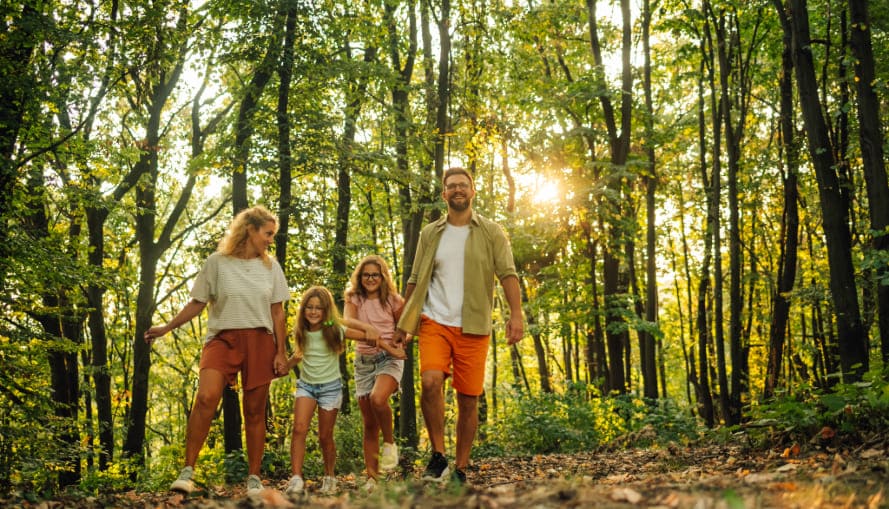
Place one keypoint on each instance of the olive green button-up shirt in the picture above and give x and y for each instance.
(487, 254)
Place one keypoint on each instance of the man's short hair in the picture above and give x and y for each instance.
(455, 170)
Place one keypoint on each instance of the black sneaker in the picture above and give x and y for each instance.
(437, 469)
(459, 476)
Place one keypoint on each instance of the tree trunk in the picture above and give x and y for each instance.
(702, 383)
(540, 353)
(871, 142)
(852, 338)
(150, 251)
(789, 236)
(17, 45)
(651, 345)
(411, 217)
(735, 65)
(615, 280)
(63, 325)
(244, 124)
(95, 294)
(442, 124)
(716, 339)
(285, 160)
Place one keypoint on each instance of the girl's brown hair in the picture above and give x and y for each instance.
(387, 286)
(331, 330)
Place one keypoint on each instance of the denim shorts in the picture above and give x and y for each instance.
(329, 395)
(369, 367)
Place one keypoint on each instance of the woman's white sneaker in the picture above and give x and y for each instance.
(328, 485)
(295, 485)
(254, 485)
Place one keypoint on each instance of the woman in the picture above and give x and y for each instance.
(372, 298)
(246, 289)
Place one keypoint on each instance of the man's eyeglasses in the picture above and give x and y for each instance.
(463, 186)
(371, 275)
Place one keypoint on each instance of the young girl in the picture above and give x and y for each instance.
(373, 299)
(319, 340)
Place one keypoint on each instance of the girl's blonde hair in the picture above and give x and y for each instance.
(387, 286)
(239, 230)
(331, 329)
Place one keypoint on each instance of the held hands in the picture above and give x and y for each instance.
(293, 360)
(396, 351)
(281, 367)
(399, 338)
(371, 336)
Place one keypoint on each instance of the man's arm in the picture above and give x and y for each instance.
(399, 337)
(515, 326)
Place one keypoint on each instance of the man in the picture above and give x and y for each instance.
(449, 300)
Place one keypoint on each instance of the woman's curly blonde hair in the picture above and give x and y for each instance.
(239, 230)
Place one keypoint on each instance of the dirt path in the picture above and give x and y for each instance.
(700, 477)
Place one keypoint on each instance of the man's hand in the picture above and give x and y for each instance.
(400, 337)
(396, 351)
(515, 329)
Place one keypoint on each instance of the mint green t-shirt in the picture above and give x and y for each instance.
(319, 365)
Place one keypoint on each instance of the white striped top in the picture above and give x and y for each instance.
(240, 292)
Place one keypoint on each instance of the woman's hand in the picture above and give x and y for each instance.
(280, 364)
(155, 332)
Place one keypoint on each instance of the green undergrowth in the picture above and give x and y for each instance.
(577, 419)
(848, 413)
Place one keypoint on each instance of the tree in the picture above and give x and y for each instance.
(412, 215)
(851, 334)
(614, 278)
(871, 141)
(789, 238)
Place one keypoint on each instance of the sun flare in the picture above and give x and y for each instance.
(538, 189)
(545, 192)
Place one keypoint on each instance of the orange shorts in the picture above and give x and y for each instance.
(443, 347)
(248, 351)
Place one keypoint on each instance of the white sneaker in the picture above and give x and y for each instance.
(389, 459)
(328, 485)
(254, 485)
(295, 486)
(369, 486)
(184, 483)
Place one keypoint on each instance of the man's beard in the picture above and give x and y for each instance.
(458, 206)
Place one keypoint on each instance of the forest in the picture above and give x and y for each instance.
(695, 192)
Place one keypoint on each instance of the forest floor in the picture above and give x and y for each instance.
(814, 474)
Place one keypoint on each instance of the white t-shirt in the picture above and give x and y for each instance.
(239, 292)
(444, 301)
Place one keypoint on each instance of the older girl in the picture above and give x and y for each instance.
(372, 298)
